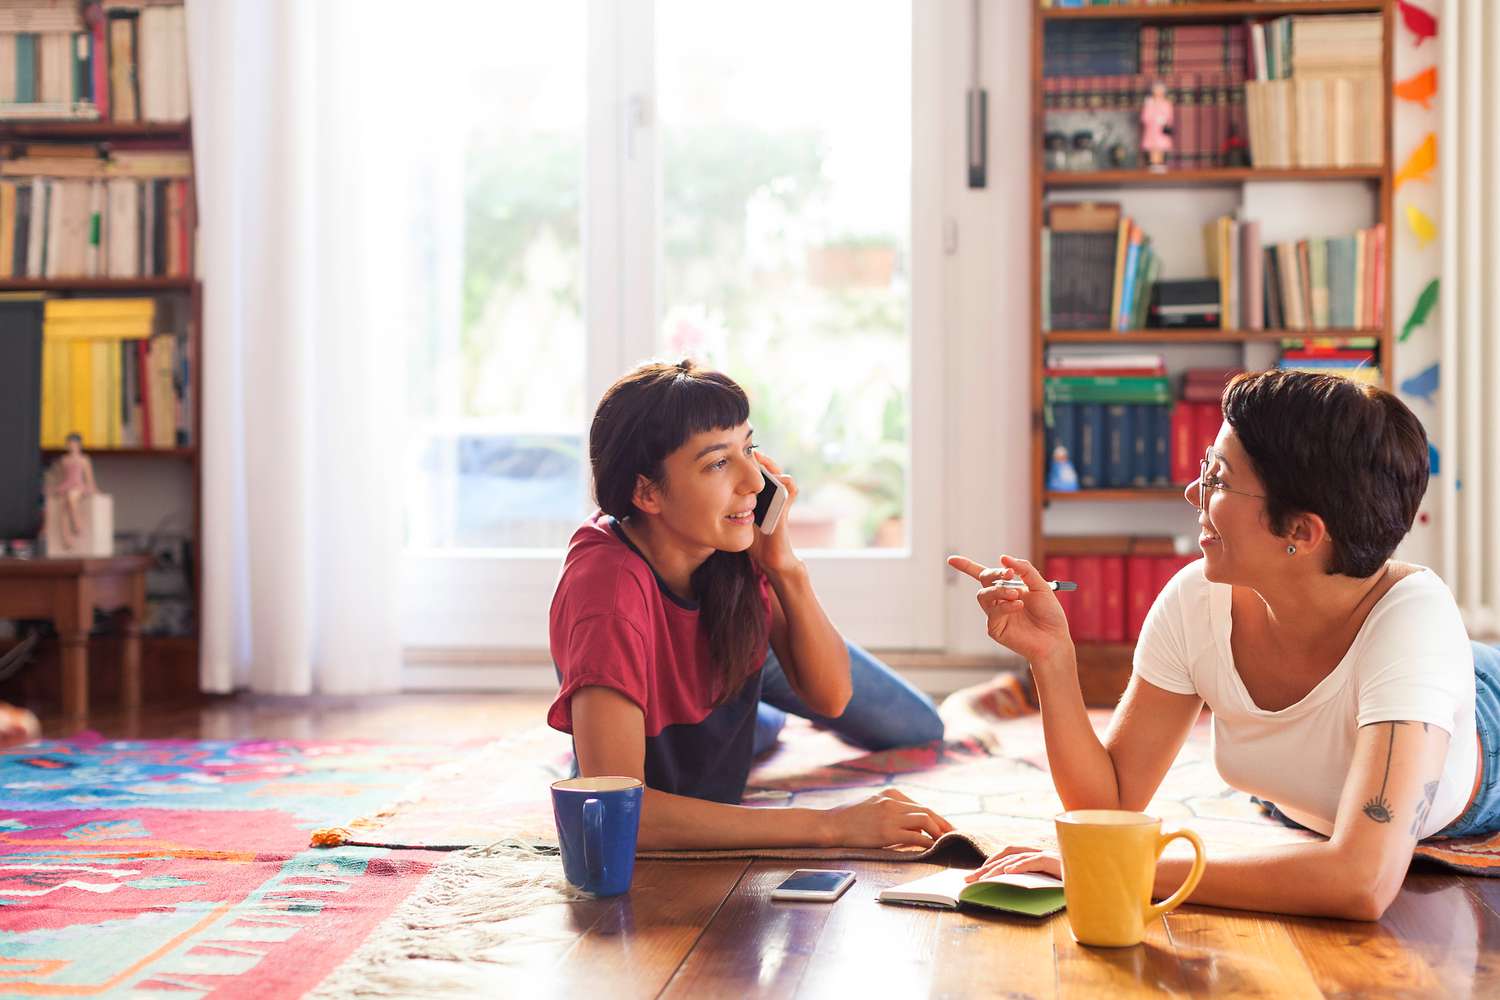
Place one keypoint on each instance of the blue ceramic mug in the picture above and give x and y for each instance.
(597, 822)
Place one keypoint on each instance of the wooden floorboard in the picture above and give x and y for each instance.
(709, 929)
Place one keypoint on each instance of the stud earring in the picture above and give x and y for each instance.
(1291, 550)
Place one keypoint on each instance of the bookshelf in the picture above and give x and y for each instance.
(162, 480)
(1104, 666)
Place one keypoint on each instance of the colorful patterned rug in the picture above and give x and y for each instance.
(182, 868)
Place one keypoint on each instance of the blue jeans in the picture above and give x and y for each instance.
(1483, 814)
(884, 711)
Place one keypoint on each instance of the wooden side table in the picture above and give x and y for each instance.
(67, 592)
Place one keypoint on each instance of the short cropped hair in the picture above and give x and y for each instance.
(1353, 454)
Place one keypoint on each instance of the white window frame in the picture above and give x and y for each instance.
(497, 599)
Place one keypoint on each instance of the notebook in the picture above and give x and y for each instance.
(1030, 894)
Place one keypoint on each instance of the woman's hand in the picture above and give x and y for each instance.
(773, 553)
(889, 819)
(1015, 860)
(1029, 621)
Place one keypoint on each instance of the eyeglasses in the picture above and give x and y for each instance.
(1207, 482)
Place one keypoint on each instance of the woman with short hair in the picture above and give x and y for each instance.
(1342, 682)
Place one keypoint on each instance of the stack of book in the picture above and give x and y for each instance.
(1098, 268)
(1311, 284)
(1111, 413)
(1114, 591)
(73, 211)
(1354, 362)
(123, 60)
(1196, 419)
(1316, 97)
(111, 376)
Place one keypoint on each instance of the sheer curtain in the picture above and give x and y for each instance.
(304, 119)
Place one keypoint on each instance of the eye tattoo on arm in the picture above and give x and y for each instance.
(1424, 806)
(1378, 808)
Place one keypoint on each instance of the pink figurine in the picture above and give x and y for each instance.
(1156, 126)
(74, 473)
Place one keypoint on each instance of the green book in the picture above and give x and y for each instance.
(1107, 389)
(25, 68)
(1030, 894)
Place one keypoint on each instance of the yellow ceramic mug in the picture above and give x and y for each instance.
(1109, 865)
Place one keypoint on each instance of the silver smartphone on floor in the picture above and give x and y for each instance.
(819, 885)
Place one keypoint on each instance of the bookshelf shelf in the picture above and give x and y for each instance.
(176, 132)
(1200, 336)
(1211, 176)
(183, 454)
(1210, 11)
(1076, 525)
(122, 286)
(1133, 495)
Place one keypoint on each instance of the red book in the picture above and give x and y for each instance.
(101, 63)
(1206, 420)
(1141, 588)
(1184, 458)
(1061, 568)
(1378, 293)
(1104, 372)
(1112, 588)
(1087, 624)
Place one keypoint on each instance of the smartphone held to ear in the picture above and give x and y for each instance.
(770, 503)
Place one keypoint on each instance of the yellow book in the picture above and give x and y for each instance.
(1122, 245)
(162, 401)
(80, 366)
(7, 227)
(79, 309)
(98, 330)
(98, 388)
(113, 383)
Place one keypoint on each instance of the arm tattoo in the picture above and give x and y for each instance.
(1424, 806)
(1378, 808)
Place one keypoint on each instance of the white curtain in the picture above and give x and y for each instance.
(299, 128)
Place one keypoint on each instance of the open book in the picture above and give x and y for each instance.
(1031, 894)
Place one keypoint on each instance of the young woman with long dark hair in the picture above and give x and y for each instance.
(681, 632)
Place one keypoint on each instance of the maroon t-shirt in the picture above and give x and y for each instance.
(613, 623)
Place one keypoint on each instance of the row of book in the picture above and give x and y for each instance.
(1312, 284)
(114, 376)
(1208, 118)
(1355, 363)
(1098, 268)
(125, 216)
(114, 61)
(1316, 99)
(1114, 593)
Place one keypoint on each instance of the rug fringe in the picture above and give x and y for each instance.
(456, 922)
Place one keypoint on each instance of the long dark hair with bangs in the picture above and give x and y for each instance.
(644, 417)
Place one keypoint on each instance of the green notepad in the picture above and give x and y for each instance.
(1029, 894)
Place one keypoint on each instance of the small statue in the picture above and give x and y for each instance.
(72, 478)
(1055, 146)
(1062, 477)
(1235, 152)
(1081, 155)
(1156, 126)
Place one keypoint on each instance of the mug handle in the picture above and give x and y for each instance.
(593, 840)
(1175, 900)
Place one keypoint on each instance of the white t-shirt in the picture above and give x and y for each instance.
(1410, 661)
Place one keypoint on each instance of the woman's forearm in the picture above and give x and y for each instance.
(1308, 879)
(677, 822)
(1082, 769)
(820, 671)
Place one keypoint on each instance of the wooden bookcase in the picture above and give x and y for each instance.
(169, 135)
(1104, 668)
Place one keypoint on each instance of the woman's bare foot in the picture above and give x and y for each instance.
(17, 726)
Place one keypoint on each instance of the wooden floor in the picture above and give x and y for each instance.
(709, 929)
